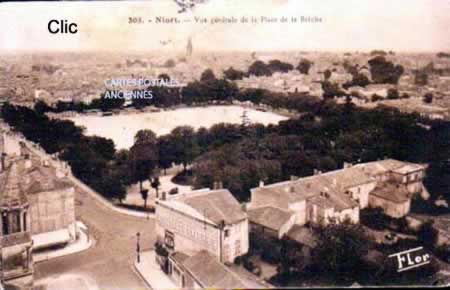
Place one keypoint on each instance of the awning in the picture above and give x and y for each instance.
(49, 239)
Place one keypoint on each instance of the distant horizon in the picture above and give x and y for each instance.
(200, 51)
(346, 25)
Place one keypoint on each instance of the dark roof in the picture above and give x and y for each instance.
(303, 235)
(216, 205)
(269, 217)
(210, 273)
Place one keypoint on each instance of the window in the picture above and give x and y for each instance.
(24, 221)
(5, 224)
(237, 248)
(227, 233)
(14, 222)
(169, 240)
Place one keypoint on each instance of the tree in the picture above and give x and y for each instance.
(144, 194)
(207, 75)
(144, 155)
(340, 248)
(166, 152)
(259, 68)
(41, 107)
(155, 184)
(384, 72)
(427, 234)
(233, 74)
(107, 101)
(279, 66)
(304, 66)
(185, 146)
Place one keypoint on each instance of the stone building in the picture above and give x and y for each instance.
(336, 196)
(202, 270)
(37, 211)
(210, 220)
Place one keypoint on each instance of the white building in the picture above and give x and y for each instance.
(336, 196)
(210, 220)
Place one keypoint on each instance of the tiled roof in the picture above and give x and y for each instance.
(12, 193)
(393, 192)
(44, 179)
(328, 190)
(210, 273)
(348, 177)
(215, 205)
(23, 177)
(269, 217)
(383, 166)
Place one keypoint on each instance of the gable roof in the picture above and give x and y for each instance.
(12, 193)
(22, 177)
(210, 273)
(270, 217)
(392, 192)
(215, 205)
(387, 165)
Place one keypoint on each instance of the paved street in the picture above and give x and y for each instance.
(109, 263)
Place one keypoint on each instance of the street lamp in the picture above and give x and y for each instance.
(138, 247)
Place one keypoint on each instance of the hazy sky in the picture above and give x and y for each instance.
(401, 25)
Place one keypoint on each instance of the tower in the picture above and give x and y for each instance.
(245, 120)
(189, 47)
(15, 238)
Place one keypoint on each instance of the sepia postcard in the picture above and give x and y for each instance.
(224, 144)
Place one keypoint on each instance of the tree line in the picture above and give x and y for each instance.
(323, 137)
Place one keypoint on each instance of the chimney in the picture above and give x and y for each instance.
(3, 161)
(163, 195)
(317, 172)
(217, 185)
(28, 163)
(347, 165)
(294, 178)
(261, 183)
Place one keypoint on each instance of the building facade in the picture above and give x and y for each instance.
(337, 195)
(203, 220)
(37, 210)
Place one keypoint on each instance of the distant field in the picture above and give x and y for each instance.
(122, 128)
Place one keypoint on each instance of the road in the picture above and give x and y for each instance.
(109, 264)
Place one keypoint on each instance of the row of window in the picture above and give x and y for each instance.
(189, 228)
(12, 222)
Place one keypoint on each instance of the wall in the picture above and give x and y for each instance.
(299, 208)
(192, 235)
(57, 214)
(362, 192)
(396, 210)
(237, 243)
